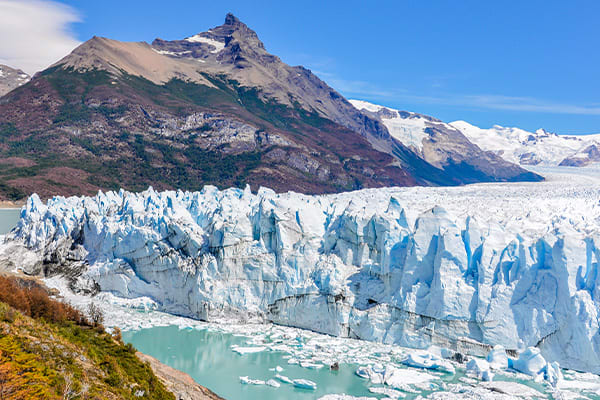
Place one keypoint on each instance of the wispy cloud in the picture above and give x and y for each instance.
(369, 91)
(35, 33)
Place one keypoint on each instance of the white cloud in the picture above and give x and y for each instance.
(35, 33)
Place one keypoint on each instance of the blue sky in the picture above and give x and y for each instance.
(530, 64)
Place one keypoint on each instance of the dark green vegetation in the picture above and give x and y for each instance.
(95, 131)
(48, 350)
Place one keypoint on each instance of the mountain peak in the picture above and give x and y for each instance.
(231, 19)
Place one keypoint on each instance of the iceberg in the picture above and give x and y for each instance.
(304, 384)
(479, 368)
(249, 381)
(427, 360)
(462, 268)
(497, 358)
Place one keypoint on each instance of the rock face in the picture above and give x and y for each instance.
(213, 108)
(11, 78)
(534, 148)
(385, 265)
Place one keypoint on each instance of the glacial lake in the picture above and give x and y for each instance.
(8, 219)
(207, 357)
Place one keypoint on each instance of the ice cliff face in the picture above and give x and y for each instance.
(510, 265)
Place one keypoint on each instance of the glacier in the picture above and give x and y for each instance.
(465, 268)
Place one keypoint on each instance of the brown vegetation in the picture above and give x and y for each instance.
(32, 300)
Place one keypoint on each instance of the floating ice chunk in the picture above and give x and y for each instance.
(283, 378)
(479, 368)
(391, 393)
(530, 362)
(310, 365)
(277, 369)
(304, 384)
(497, 358)
(512, 389)
(247, 350)
(427, 360)
(552, 373)
(273, 383)
(398, 378)
(248, 381)
(344, 397)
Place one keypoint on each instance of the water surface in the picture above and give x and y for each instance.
(8, 219)
(207, 357)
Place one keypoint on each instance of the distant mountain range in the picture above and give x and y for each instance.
(11, 78)
(213, 108)
(534, 148)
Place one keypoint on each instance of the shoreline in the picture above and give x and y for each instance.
(182, 385)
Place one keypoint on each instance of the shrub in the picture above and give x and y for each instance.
(31, 299)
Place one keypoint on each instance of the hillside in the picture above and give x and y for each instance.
(213, 108)
(48, 350)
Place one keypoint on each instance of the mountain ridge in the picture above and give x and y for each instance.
(534, 148)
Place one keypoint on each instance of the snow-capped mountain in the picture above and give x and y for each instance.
(464, 267)
(11, 78)
(212, 108)
(442, 146)
(534, 148)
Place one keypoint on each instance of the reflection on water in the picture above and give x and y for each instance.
(208, 358)
(8, 219)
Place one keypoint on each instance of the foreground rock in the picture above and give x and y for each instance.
(179, 383)
(498, 265)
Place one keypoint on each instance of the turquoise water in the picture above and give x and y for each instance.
(8, 219)
(207, 357)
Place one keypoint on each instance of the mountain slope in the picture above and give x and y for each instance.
(214, 108)
(534, 148)
(11, 78)
(450, 156)
(49, 350)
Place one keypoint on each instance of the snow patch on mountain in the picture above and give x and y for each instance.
(466, 268)
(406, 127)
(202, 39)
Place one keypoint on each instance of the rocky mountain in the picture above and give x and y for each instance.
(214, 108)
(454, 158)
(11, 78)
(534, 148)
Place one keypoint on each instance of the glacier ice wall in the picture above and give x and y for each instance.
(508, 267)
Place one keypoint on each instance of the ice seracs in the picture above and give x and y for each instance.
(465, 268)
